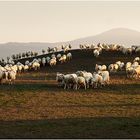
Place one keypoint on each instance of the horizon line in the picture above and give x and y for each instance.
(71, 39)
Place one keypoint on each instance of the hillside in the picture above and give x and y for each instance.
(36, 107)
(84, 60)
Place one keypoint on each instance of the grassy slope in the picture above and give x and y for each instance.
(39, 109)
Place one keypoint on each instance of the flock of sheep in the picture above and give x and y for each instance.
(100, 77)
(83, 79)
(9, 72)
(97, 49)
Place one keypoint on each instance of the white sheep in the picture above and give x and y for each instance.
(96, 53)
(81, 82)
(106, 77)
(69, 56)
(63, 58)
(52, 62)
(96, 80)
(58, 56)
(43, 61)
(36, 65)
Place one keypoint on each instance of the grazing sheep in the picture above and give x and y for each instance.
(52, 62)
(137, 50)
(136, 72)
(81, 82)
(53, 56)
(96, 80)
(59, 78)
(26, 68)
(27, 62)
(69, 56)
(58, 56)
(98, 67)
(106, 77)
(66, 48)
(70, 80)
(43, 61)
(48, 59)
(96, 53)
(137, 59)
(11, 76)
(135, 64)
(128, 64)
(63, 58)
(35, 65)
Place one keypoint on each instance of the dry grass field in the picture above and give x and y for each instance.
(35, 107)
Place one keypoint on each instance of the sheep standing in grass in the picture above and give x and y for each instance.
(105, 76)
(69, 56)
(96, 80)
(43, 61)
(81, 82)
(52, 62)
(58, 56)
(96, 53)
(48, 59)
(63, 58)
(137, 59)
(59, 78)
(70, 80)
(35, 65)
(26, 68)
(11, 76)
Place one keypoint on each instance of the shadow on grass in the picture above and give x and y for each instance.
(72, 128)
(112, 88)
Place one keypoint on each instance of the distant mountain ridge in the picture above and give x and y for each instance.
(122, 36)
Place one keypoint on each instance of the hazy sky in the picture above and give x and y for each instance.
(62, 21)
